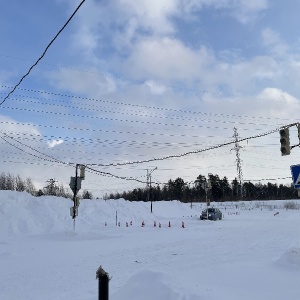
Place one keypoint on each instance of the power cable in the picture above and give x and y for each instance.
(268, 179)
(52, 158)
(142, 106)
(43, 54)
(195, 151)
(106, 142)
(155, 83)
(97, 172)
(32, 163)
(133, 121)
(100, 130)
(24, 150)
(126, 112)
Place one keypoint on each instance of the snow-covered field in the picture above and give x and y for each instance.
(250, 254)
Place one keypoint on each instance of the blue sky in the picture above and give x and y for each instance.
(132, 80)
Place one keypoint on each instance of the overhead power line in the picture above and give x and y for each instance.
(88, 166)
(50, 158)
(194, 151)
(43, 54)
(99, 130)
(144, 106)
(249, 180)
(141, 121)
(153, 83)
(114, 110)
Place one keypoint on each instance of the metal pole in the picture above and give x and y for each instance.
(150, 193)
(149, 185)
(103, 284)
(74, 196)
(206, 190)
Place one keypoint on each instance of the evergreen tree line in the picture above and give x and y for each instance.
(221, 190)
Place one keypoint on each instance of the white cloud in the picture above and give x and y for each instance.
(133, 19)
(152, 15)
(167, 58)
(272, 41)
(11, 126)
(54, 143)
(279, 103)
(246, 11)
(155, 88)
(89, 82)
(130, 16)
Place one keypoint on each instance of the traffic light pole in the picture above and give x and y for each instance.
(75, 185)
(74, 196)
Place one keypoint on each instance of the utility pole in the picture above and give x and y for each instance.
(149, 172)
(237, 148)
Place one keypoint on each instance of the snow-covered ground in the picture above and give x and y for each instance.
(253, 253)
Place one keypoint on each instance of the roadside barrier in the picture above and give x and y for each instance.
(143, 224)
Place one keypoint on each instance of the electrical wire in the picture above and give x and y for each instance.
(100, 130)
(289, 177)
(52, 158)
(195, 151)
(155, 83)
(187, 153)
(127, 113)
(137, 121)
(43, 54)
(96, 142)
(142, 106)
(97, 172)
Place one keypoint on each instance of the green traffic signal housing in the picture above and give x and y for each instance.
(285, 147)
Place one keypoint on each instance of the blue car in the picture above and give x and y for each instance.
(213, 214)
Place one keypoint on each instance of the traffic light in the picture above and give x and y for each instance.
(82, 172)
(285, 147)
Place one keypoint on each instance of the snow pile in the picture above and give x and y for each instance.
(290, 259)
(21, 213)
(149, 285)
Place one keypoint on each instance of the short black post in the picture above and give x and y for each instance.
(103, 286)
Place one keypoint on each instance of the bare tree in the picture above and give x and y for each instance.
(10, 182)
(19, 184)
(29, 187)
(2, 181)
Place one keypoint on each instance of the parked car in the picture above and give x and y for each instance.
(211, 214)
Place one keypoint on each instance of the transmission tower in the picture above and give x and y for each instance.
(237, 148)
